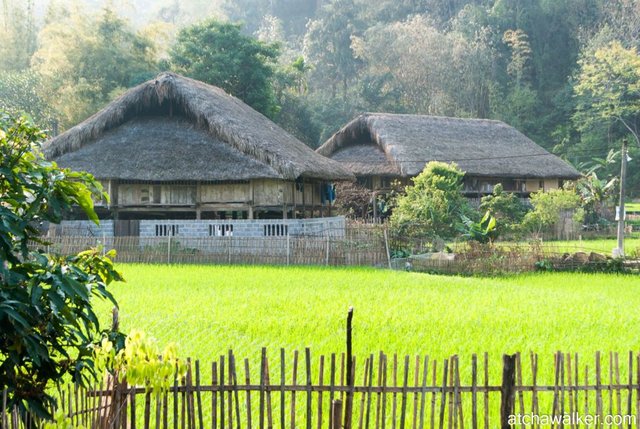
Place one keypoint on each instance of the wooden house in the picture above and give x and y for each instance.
(379, 148)
(176, 148)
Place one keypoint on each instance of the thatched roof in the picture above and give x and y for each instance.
(174, 128)
(389, 144)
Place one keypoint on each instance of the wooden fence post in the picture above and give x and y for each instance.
(386, 246)
(348, 409)
(507, 390)
(328, 244)
(169, 250)
(288, 248)
(336, 414)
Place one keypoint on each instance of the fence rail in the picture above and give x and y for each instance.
(387, 391)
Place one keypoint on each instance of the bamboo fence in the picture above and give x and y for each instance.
(384, 391)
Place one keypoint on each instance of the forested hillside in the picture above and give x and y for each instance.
(564, 72)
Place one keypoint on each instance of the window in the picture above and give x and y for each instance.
(225, 230)
(276, 230)
(167, 230)
(541, 185)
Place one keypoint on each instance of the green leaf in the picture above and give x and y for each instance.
(14, 315)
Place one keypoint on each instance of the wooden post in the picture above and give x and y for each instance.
(295, 206)
(251, 200)
(198, 200)
(169, 250)
(386, 246)
(284, 199)
(375, 205)
(328, 244)
(108, 204)
(115, 319)
(508, 390)
(350, 382)
(336, 414)
(623, 172)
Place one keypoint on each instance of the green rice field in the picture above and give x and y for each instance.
(605, 245)
(599, 245)
(208, 310)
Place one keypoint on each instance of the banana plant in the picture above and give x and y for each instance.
(483, 231)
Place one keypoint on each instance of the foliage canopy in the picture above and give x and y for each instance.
(608, 89)
(219, 54)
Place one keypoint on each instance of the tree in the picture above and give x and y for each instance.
(327, 46)
(219, 54)
(21, 93)
(434, 203)
(18, 35)
(596, 195)
(86, 61)
(47, 323)
(294, 14)
(457, 84)
(608, 89)
(549, 207)
(294, 112)
(520, 104)
(518, 67)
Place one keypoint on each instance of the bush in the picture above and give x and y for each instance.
(433, 206)
(506, 207)
(548, 207)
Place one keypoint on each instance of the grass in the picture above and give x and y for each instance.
(632, 207)
(605, 246)
(210, 309)
(599, 245)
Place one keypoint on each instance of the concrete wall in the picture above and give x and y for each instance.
(82, 228)
(332, 226)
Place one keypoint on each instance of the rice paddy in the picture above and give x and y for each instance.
(208, 310)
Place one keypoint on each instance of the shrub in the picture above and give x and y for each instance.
(548, 207)
(506, 207)
(47, 323)
(433, 205)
